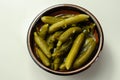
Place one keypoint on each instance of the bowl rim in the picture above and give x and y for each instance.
(101, 41)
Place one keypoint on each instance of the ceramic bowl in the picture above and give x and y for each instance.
(63, 9)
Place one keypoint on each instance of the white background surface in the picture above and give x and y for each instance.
(15, 61)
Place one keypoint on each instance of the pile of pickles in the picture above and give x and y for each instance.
(65, 42)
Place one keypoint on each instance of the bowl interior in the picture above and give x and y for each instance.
(63, 9)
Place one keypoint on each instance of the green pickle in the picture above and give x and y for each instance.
(54, 19)
(67, 34)
(43, 31)
(50, 19)
(61, 24)
(56, 63)
(42, 57)
(62, 66)
(74, 51)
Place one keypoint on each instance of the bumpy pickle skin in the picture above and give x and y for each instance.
(67, 34)
(42, 44)
(85, 54)
(61, 24)
(43, 31)
(50, 19)
(63, 49)
(56, 63)
(54, 19)
(52, 39)
(42, 57)
(74, 51)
